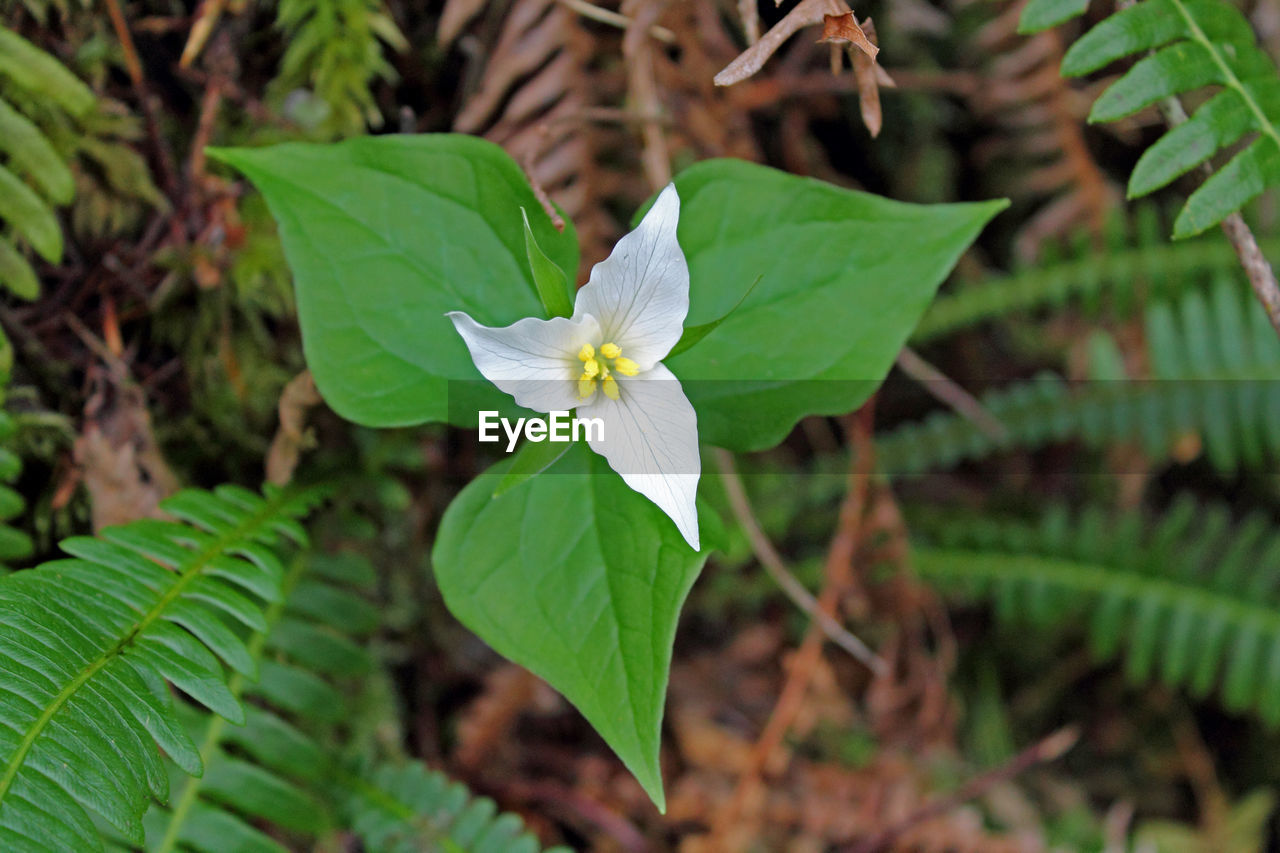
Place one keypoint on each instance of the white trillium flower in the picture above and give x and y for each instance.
(605, 361)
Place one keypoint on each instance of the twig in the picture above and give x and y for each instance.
(168, 175)
(942, 387)
(773, 563)
(1049, 749)
(838, 574)
(642, 88)
(615, 19)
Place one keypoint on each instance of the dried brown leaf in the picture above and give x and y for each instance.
(807, 14)
(299, 395)
(456, 15)
(119, 461)
(845, 28)
(864, 70)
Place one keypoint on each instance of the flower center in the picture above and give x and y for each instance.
(600, 367)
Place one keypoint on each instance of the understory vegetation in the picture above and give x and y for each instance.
(1024, 597)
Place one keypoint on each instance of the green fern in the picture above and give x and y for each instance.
(1215, 365)
(88, 642)
(406, 808)
(1191, 600)
(335, 53)
(28, 212)
(1196, 43)
(14, 543)
(273, 768)
(1135, 268)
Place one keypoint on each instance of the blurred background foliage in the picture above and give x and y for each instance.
(1067, 495)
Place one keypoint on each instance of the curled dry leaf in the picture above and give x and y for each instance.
(845, 28)
(291, 438)
(808, 13)
(870, 77)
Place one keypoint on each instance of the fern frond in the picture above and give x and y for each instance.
(409, 809)
(1190, 600)
(1196, 43)
(1215, 365)
(88, 642)
(14, 543)
(1133, 270)
(272, 768)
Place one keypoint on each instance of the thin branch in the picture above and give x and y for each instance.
(944, 389)
(164, 159)
(1049, 749)
(773, 563)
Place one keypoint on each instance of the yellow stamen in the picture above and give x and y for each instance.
(626, 366)
(586, 386)
(591, 369)
(611, 350)
(610, 387)
(587, 352)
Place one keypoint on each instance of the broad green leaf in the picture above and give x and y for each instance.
(532, 458)
(693, 334)
(844, 278)
(385, 235)
(576, 577)
(1040, 15)
(553, 285)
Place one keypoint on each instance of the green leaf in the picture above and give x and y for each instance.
(385, 235)
(845, 277)
(39, 73)
(30, 216)
(693, 334)
(532, 458)
(31, 152)
(553, 285)
(1040, 15)
(578, 578)
(16, 274)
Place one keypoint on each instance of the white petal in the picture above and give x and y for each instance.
(640, 293)
(651, 439)
(533, 360)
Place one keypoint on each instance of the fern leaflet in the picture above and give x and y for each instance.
(1196, 43)
(1191, 600)
(406, 808)
(88, 642)
(1215, 365)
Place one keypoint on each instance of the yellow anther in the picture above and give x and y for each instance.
(611, 350)
(586, 386)
(587, 352)
(610, 387)
(626, 367)
(591, 369)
